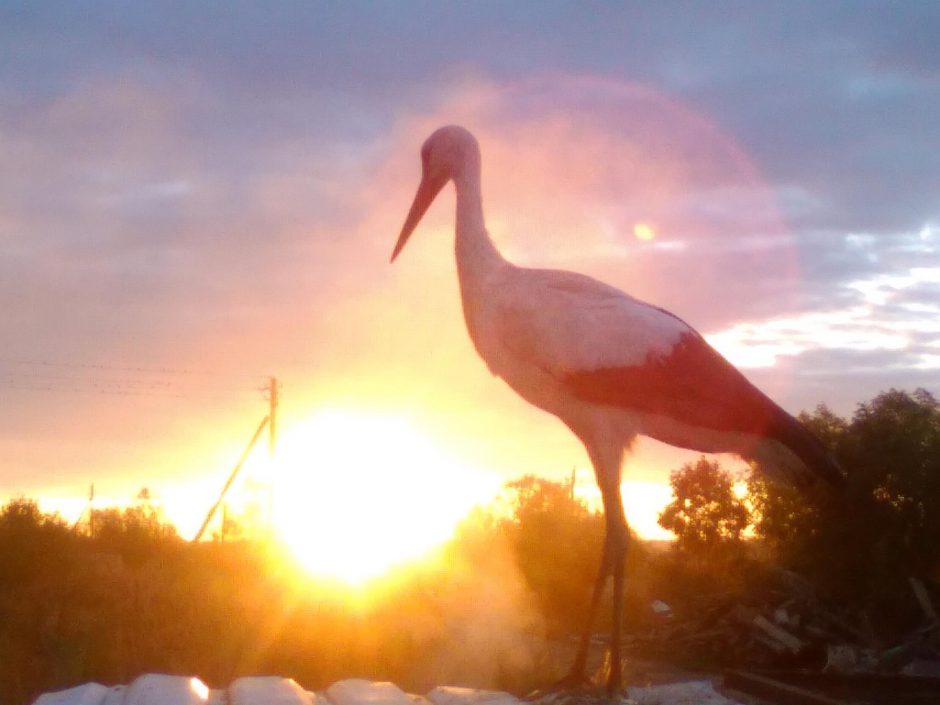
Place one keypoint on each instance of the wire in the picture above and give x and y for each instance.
(121, 380)
(112, 391)
(120, 368)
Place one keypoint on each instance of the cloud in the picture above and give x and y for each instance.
(886, 336)
(190, 189)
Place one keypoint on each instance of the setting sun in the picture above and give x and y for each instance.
(355, 494)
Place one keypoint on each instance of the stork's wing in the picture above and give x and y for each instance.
(692, 384)
(566, 323)
(611, 349)
(697, 386)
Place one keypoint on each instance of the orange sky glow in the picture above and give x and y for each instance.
(195, 200)
(392, 429)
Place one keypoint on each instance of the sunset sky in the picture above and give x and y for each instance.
(194, 196)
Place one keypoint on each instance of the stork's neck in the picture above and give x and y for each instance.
(477, 256)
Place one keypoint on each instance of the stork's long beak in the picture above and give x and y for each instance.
(427, 190)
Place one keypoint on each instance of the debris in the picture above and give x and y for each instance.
(661, 608)
(803, 688)
(922, 667)
(923, 598)
(772, 630)
(777, 691)
(689, 693)
(785, 625)
(845, 658)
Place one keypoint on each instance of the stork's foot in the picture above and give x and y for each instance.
(570, 684)
(575, 682)
(583, 688)
(614, 688)
(575, 679)
(612, 674)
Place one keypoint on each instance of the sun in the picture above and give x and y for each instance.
(356, 493)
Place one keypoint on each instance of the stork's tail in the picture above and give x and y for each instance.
(807, 448)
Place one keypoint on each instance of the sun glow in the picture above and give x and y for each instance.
(357, 494)
(644, 231)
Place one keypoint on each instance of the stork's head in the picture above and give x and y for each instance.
(451, 152)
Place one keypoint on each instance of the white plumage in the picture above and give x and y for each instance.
(608, 365)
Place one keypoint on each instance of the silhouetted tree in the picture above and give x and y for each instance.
(862, 544)
(135, 532)
(30, 540)
(706, 514)
(556, 540)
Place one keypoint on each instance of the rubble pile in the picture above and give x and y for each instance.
(788, 627)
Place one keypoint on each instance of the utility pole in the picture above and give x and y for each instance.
(231, 478)
(91, 510)
(273, 388)
(270, 421)
(273, 399)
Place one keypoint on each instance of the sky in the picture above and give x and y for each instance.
(195, 196)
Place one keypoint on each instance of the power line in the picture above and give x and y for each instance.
(121, 380)
(124, 382)
(113, 390)
(123, 368)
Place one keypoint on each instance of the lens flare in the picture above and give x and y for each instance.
(644, 231)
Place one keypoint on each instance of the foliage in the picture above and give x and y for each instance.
(706, 516)
(134, 533)
(129, 597)
(861, 545)
(556, 541)
(28, 538)
(858, 546)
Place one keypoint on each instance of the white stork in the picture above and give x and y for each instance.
(609, 366)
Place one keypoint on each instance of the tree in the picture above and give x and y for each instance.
(30, 540)
(137, 532)
(862, 544)
(780, 513)
(556, 540)
(706, 515)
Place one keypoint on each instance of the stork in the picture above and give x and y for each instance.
(609, 366)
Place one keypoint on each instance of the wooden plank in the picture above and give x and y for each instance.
(875, 686)
(782, 635)
(750, 617)
(923, 598)
(778, 692)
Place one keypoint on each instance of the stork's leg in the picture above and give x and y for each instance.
(607, 471)
(577, 673)
(618, 535)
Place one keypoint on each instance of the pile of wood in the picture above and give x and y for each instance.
(788, 627)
